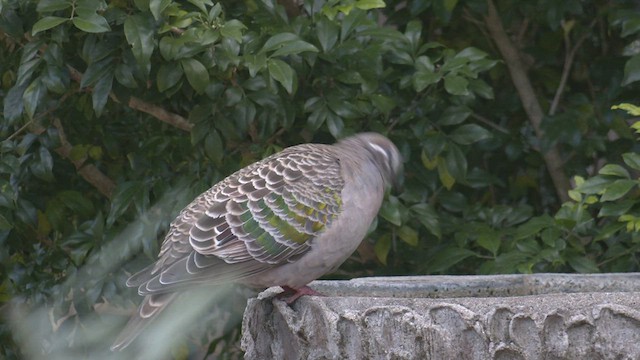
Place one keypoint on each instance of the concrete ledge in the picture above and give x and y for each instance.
(541, 316)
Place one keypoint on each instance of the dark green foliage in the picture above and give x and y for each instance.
(116, 114)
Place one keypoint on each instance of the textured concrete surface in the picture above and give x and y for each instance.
(542, 316)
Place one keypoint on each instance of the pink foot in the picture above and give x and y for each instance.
(290, 295)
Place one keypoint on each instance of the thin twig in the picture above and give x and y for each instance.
(490, 123)
(40, 116)
(19, 131)
(568, 62)
(480, 25)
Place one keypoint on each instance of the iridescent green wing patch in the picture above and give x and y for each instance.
(271, 212)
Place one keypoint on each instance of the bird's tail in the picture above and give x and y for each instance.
(151, 306)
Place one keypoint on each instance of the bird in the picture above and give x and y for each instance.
(285, 220)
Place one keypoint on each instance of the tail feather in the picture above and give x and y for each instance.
(151, 306)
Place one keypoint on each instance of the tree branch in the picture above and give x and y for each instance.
(141, 105)
(89, 172)
(159, 113)
(532, 107)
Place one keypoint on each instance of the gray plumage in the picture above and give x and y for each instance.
(283, 221)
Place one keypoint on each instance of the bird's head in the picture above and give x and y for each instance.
(385, 156)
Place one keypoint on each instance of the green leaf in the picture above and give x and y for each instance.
(382, 248)
(408, 235)
(552, 237)
(422, 79)
(5, 224)
(583, 264)
(13, 104)
(427, 162)
(631, 70)
(317, 118)
(47, 23)
(26, 70)
(334, 124)
(101, 91)
(433, 143)
(390, 211)
(383, 103)
(255, 63)
(123, 196)
(632, 160)
(469, 133)
(489, 241)
(454, 115)
(424, 64)
(593, 185)
(617, 189)
(327, 33)
(528, 246)
(575, 195)
(75, 201)
(32, 96)
(428, 217)
(201, 4)
(456, 85)
(281, 72)
(610, 230)
(55, 79)
(615, 208)
(481, 88)
(233, 29)
(630, 26)
(471, 54)
(614, 170)
(295, 47)
(534, 226)
(139, 31)
(447, 258)
(196, 73)
(413, 33)
(124, 75)
(445, 176)
(96, 71)
(369, 4)
(168, 75)
(456, 162)
(278, 40)
(93, 23)
(89, 7)
(449, 5)
(630, 109)
(43, 166)
(52, 5)
(157, 7)
(213, 147)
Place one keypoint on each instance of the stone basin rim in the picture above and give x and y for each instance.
(455, 286)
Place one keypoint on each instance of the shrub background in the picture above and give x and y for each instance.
(116, 114)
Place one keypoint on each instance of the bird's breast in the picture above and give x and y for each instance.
(361, 201)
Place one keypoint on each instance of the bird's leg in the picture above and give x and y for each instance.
(290, 295)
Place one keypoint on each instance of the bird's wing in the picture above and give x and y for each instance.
(262, 216)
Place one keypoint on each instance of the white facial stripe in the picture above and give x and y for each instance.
(379, 149)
